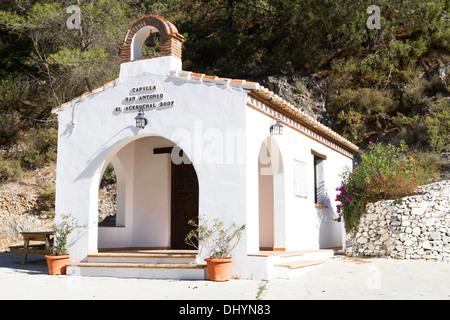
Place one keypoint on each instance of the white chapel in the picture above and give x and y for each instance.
(186, 145)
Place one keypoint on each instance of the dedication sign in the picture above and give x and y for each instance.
(144, 98)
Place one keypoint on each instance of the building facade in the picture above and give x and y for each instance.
(207, 149)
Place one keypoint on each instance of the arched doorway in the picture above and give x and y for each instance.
(156, 196)
(271, 196)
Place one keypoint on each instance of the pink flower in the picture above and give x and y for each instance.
(370, 142)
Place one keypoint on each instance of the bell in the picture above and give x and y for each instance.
(150, 41)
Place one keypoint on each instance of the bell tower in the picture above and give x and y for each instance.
(137, 35)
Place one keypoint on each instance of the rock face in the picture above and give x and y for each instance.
(307, 92)
(415, 227)
(107, 205)
(20, 207)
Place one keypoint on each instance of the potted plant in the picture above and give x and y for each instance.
(59, 256)
(218, 242)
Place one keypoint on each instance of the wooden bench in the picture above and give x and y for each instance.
(44, 237)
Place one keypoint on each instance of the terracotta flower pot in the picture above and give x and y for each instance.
(57, 264)
(218, 268)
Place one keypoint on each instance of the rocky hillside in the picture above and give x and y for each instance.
(20, 206)
(309, 92)
(23, 205)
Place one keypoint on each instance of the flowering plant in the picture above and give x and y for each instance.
(351, 200)
(385, 172)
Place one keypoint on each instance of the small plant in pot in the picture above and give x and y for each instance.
(59, 256)
(218, 241)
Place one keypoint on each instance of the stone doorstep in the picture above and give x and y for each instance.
(298, 264)
(133, 263)
(142, 255)
(138, 265)
(175, 271)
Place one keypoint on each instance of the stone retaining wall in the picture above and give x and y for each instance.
(417, 227)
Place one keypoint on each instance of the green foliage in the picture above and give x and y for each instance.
(40, 148)
(62, 230)
(380, 161)
(44, 64)
(414, 101)
(427, 166)
(59, 63)
(76, 57)
(10, 170)
(14, 51)
(8, 129)
(409, 32)
(47, 198)
(385, 172)
(356, 113)
(10, 92)
(438, 126)
(216, 239)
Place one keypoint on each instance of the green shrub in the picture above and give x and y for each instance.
(11, 91)
(357, 113)
(47, 198)
(427, 166)
(411, 129)
(438, 126)
(8, 129)
(385, 172)
(10, 170)
(40, 148)
(414, 100)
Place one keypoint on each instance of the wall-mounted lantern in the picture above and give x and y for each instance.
(276, 129)
(141, 121)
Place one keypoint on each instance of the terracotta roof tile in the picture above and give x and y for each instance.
(253, 87)
(272, 99)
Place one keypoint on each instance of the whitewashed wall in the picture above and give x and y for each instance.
(92, 133)
(304, 225)
(220, 134)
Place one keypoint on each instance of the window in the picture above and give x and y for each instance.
(300, 185)
(320, 197)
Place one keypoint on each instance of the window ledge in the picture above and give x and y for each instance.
(320, 206)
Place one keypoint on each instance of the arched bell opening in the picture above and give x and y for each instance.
(146, 43)
(157, 35)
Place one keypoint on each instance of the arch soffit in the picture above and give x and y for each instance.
(119, 145)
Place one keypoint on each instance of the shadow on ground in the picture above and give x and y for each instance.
(35, 264)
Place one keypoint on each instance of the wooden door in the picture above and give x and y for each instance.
(184, 203)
